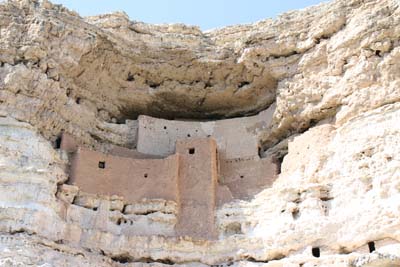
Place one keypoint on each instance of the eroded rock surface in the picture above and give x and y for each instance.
(329, 74)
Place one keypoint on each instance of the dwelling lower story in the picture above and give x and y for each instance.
(172, 196)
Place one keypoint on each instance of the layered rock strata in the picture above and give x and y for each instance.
(329, 75)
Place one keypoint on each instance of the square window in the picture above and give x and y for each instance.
(191, 150)
(102, 164)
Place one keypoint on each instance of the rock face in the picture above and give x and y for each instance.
(328, 74)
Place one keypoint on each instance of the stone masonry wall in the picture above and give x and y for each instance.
(133, 179)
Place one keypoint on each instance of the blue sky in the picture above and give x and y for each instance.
(207, 14)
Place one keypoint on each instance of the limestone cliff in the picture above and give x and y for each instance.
(330, 75)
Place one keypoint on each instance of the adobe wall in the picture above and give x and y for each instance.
(130, 153)
(133, 179)
(246, 177)
(197, 187)
(235, 137)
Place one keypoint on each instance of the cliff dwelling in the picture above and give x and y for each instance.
(268, 144)
(199, 166)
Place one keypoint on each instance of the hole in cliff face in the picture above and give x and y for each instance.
(378, 53)
(145, 175)
(102, 164)
(152, 84)
(122, 258)
(234, 228)
(68, 92)
(78, 100)
(130, 77)
(371, 246)
(316, 252)
(278, 162)
(241, 176)
(192, 150)
(242, 84)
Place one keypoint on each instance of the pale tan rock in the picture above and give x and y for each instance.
(68, 193)
(329, 74)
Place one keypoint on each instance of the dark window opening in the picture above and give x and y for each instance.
(165, 127)
(145, 175)
(78, 100)
(58, 142)
(102, 164)
(371, 246)
(316, 252)
(241, 176)
(95, 208)
(191, 150)
(188, 135)
(378, 53)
